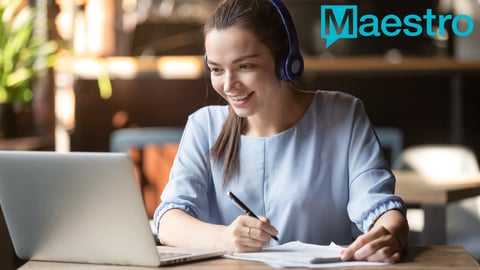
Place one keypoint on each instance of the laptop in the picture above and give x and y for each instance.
(80, 207)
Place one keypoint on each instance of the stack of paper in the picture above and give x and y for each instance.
(299, 254)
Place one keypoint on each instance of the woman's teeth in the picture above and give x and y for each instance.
(239, 98)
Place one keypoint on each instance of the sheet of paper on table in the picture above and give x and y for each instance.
(299, 254)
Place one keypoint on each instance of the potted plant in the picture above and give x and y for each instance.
(23, 57)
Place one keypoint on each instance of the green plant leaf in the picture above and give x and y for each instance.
(10, 7)
(19, 76)
(3, 95)
(23, 19)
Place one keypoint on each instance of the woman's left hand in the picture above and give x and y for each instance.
(377, 245)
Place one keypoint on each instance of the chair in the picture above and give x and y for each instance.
(122, 139)
(152, 151)
(8, 257)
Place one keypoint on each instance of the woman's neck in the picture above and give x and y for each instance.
(285, 113)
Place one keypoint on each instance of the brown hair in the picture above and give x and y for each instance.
(260, 17)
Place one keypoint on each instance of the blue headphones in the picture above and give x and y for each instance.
(290, 66)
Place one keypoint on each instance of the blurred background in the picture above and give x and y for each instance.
(118, 45)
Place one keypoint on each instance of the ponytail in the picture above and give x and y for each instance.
(227, 145)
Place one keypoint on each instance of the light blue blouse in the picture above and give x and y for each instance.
(312, 180)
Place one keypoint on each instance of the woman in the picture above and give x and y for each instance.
(309, 162)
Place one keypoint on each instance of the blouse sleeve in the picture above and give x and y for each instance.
(190, 174)
(372, 184)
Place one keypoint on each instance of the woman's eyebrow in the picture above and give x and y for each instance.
(253, 55)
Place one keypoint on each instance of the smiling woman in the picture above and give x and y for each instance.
(307, 162)
(238, 63)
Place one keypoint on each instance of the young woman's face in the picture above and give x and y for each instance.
(242, 70)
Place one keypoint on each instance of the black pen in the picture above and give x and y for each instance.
(247, 210)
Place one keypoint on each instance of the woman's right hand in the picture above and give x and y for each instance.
(247, 234)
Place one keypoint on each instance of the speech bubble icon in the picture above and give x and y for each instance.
(338, 21)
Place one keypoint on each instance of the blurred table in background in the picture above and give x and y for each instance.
(433, 196)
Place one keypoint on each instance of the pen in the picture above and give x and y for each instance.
(247, 210)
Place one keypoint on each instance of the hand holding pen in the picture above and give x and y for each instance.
(247, 211)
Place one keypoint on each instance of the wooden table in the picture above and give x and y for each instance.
(433, 196)
(419, 258)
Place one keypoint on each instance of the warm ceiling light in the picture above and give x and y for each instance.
(180, 67)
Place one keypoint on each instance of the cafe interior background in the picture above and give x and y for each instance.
(137, 64)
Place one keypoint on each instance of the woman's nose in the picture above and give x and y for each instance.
(230, 82)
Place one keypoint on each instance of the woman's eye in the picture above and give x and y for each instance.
(246, 66)
(215, 69)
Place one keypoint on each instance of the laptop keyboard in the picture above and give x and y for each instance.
(167, 255)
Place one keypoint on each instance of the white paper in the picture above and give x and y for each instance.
(299, 254)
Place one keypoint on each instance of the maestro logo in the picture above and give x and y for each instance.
(343, 21)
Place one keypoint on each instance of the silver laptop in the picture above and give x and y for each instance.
(80, 207)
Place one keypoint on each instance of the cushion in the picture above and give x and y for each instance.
(152, 165)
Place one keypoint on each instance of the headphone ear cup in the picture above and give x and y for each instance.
(294, 66)
(290, 67)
